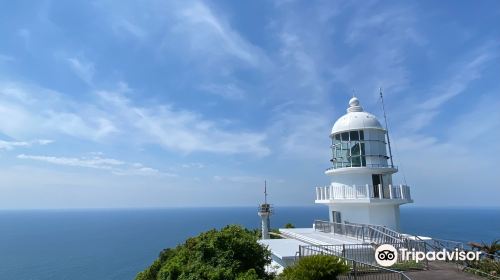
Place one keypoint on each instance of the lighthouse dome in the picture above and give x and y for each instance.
(356, 119)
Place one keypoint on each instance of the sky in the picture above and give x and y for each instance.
(116, 104)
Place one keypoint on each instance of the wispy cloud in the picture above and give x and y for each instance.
(208, 33)
(193, 165)
(10, 145)
(125, 25)
(112, 113)
(302, 134)
(6, 58)
(83, 69)
(115, 166)
(25, 35)
(460, 75)
(239, 179)
(182, 130)
(34, 111)
(384, 35)
(227, 91)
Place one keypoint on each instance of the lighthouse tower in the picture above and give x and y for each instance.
(362, 190)
(265, 211)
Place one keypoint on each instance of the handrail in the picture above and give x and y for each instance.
(384, 229)
(369, 165)
(355, 263)
(359, 231)
(383, 233)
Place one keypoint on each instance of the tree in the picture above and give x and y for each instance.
(229, 254)
(317, 267)
(289, 225)
(490, 249)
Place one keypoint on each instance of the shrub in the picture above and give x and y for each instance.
(318, 267)
(229, 254)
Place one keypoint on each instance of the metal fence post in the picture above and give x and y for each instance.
(426, 260)
(363, 233)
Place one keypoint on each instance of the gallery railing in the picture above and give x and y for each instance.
(401, 192)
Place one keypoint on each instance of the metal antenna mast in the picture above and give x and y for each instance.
(265, 191)
(386, 128)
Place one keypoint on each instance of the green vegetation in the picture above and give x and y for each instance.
(489, 264)
(408, 265)
(486, 266)
(318, 267)
(489, 249)
(289, 225)
(231, 253)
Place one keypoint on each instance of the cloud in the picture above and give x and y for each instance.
(182, 130)
(6, 58)
(10, 145)
(208, 32)
(383, 37)
(111, 114)
(239, 179)
(193, 165)
(82, 68)
(302, 134)
(25, 35)
(33, 111)
(211, 36)
(115, 166)
(120, 25)
(227, 91)
(461, 75)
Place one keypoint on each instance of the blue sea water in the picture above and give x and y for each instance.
(117, 244)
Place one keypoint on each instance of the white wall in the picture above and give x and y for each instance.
(375, 214)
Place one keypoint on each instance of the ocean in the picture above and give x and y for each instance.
(117, 244)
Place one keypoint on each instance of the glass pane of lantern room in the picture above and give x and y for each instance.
(355, 151)
(345, 136)
(354, 135)
(356, 161)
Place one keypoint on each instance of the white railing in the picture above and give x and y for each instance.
(401, 192)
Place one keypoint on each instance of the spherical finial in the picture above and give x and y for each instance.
(354, 105)
(354, 102)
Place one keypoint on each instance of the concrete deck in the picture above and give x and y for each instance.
(283, 248)
(310, 236)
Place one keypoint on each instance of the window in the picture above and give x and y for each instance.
(349, 149)
(354, 135)
(345, 136)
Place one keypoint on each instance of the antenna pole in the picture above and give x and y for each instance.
(265, 191)
(386, 128)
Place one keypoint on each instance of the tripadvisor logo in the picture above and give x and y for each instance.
(386, 255)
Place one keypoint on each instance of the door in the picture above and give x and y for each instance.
(336, 217)
(376, 180)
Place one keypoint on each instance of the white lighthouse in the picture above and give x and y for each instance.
(362, 190)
